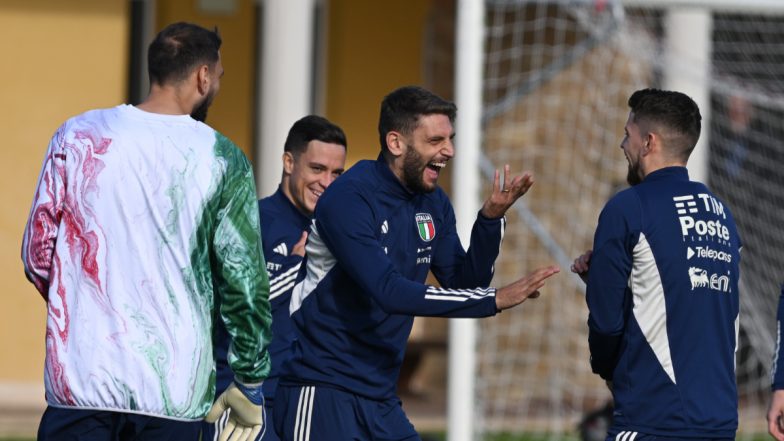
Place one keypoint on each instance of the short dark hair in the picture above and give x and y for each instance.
(674, 113)
(309, 128)
(401, 109)
(178, 49)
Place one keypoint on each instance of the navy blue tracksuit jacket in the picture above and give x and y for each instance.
(663, 308)
(368, 256)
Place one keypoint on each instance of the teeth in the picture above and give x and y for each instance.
(438, 164)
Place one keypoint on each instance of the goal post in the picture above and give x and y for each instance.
(468, 97)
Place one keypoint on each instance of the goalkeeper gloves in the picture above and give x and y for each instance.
(246, 418)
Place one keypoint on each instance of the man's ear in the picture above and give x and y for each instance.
(288, 163)
(650, 143)
(203, 79)
(395, 143)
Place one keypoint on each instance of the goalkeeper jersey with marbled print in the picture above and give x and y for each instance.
(140, 221)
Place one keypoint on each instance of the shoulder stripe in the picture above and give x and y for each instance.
(285, 274)
(279, 282)
(283, 289)
(284, 282)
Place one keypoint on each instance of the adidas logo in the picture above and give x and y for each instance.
(281, 249)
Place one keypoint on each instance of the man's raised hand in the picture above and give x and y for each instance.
(505, 194)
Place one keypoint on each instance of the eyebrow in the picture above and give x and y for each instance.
(439, 137)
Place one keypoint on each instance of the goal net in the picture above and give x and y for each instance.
(557, 77)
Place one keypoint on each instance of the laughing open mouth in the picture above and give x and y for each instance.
(437, 166)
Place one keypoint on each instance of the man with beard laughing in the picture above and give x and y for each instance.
(377, 232)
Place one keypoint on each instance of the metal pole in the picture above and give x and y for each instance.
(466, 187)
(688, 48)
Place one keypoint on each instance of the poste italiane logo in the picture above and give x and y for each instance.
(427, 230)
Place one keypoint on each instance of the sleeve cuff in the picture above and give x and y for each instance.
(482, 218)
(248, 382)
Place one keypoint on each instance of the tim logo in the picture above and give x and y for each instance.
(692, 226)
(685, 204)
(699, 279)
(425, 226)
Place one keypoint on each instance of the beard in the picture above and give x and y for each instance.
(199, 113)
(413, 172)
(633, 174)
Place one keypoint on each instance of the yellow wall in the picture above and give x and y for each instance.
(232, 111)
(61, 58)
(373, 48)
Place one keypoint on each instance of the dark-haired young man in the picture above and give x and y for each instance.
(314, 156)
(662, 287)
(143, 218)
(376, 233)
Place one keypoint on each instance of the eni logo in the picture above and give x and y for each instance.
(699, 278)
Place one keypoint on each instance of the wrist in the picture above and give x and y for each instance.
(498, 306)
(488, 215)
(252, 391)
